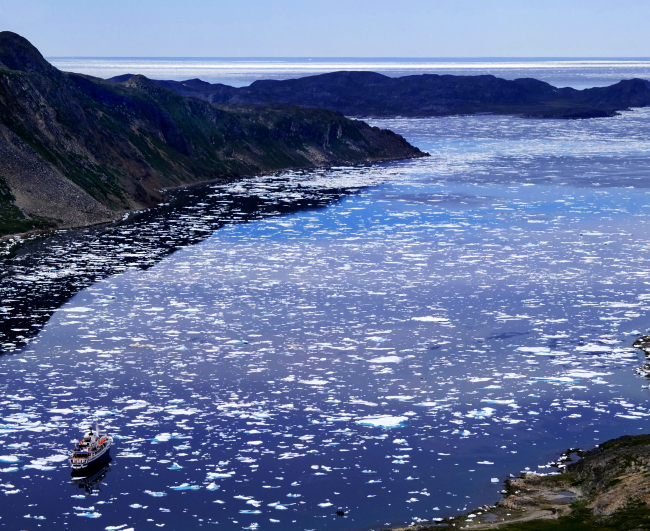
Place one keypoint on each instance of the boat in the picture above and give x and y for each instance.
(92, 450)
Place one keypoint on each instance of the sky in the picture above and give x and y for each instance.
(332, 28)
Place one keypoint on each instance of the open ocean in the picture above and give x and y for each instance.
(392, 341)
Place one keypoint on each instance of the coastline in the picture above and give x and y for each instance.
(7, 243)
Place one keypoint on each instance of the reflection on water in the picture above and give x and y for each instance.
(461, 319)
(89, 480)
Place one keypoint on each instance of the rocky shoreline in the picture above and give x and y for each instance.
(608, 488)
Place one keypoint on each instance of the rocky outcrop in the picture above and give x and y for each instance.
(369, 94)
(76, 150)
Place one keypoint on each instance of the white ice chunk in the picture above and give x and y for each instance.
(385, 359)
(315, 382)
(587, 374)
(481, 413)
(382, 421)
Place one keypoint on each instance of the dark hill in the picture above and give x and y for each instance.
(374, 95)
(17, 53)
(76, 149)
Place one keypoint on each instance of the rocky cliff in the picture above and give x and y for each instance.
(76, 150)
(369, 94)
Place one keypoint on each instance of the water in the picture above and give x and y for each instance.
(389, 341)
(238, 72)
(45, 273)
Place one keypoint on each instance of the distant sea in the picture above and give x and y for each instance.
(561, 72)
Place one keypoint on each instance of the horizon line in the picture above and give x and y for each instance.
(500, 58)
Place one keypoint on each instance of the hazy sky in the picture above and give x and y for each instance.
(342, 28)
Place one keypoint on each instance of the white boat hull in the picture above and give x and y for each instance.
(79, 463)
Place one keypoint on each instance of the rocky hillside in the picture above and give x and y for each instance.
(76, 150)
(369, 94)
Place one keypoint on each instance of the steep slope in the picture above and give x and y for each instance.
(76, 150)
(372, 94)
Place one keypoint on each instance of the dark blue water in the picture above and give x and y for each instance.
(395, 353)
